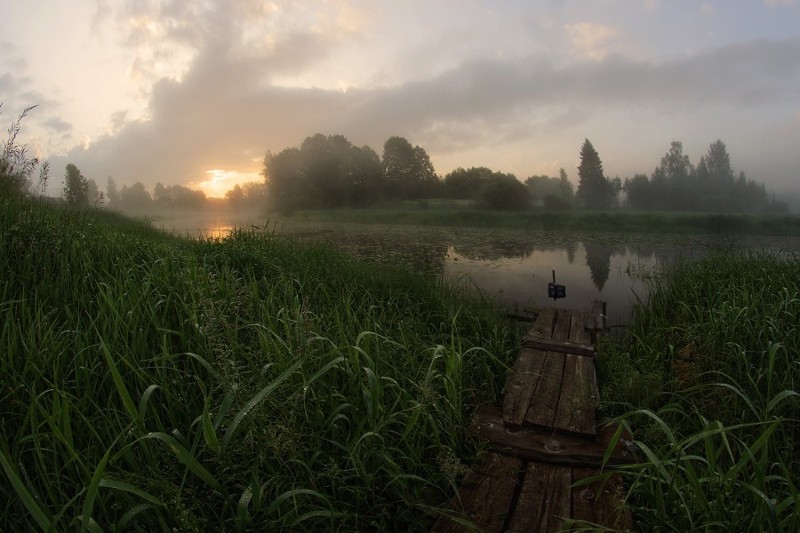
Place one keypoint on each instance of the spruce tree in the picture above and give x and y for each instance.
(594, 189)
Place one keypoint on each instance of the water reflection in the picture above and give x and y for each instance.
(589, 270)
(598, 259)
(515, 265)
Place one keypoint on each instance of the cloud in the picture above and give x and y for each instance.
(17, 95)
(708, 9)
(773, 3)
(57, 125)
(14, 82)
(222, 114)
(592, 40)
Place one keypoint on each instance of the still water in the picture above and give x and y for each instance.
(514, 266)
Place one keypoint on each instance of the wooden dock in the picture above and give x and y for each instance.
(544, 439)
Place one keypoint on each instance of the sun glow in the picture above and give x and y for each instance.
(217, 181)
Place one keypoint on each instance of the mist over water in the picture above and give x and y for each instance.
(512, 265)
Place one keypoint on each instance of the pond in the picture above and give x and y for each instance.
(512, 265)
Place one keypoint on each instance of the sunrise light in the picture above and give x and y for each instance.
(217, 181)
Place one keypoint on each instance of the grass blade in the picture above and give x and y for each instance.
(28, 499)
(186, 458)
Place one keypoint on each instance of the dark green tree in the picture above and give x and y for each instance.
(464, 183)
(177, 197)
(567, 190)
(503, 192)
(594, 189)
(250, 195)
(235, 196)
(673, 181)
(407, 170)
(723, 192)
(639, 191)
(711, 186)
(552, 193)
(285, 179)
(93, 193)
(326, 171)
(366, 180)
(716, 164)
(135, 198)
(160, 195)
(76, 188)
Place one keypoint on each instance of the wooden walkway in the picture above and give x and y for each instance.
(544, 439)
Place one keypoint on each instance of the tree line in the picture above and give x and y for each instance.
(328, 171)
(712, 185)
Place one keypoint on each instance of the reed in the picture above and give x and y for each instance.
(151, 382)
(719, 343)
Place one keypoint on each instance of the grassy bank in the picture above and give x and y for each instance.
(157, 383)
(709, 380)
(571, 220)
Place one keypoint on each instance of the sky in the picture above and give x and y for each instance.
(197, 92)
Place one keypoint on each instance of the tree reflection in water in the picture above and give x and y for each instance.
(598, 259)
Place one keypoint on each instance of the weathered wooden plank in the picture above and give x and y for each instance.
(603, 507)
(486, 494)
(577, 332)
(543, 325)
(530, 369)
(521, 384)
(579, 394)
(546, 395)
(544, 500)
(559, 346)
(562, 325)
(545, 445)
(576, 406)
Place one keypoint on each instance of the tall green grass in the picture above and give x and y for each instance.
(156, 383)
(710, 383)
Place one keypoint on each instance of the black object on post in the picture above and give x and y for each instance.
(554, 290)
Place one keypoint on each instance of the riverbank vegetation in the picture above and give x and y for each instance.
(709, 380)
(448, 213)
(154, 382)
